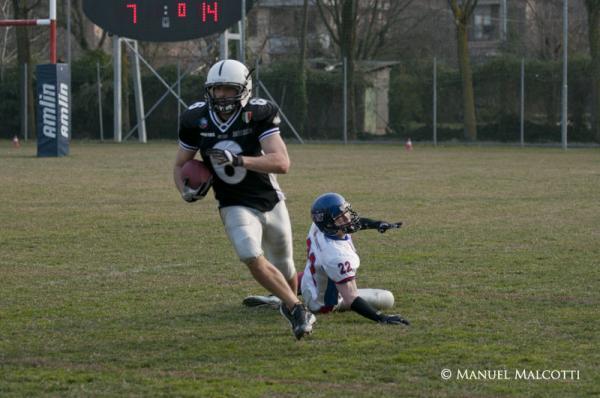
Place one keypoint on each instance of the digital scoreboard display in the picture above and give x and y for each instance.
(164, 20)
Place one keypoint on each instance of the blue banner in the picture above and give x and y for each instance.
(53, 109)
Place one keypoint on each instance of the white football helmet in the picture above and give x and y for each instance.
(229, 72)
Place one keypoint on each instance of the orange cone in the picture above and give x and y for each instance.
(408, 145)
(16, 142)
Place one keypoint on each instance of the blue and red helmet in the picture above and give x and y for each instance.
(327, 213)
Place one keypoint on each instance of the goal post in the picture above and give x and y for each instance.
(53, 99)
(50, 21)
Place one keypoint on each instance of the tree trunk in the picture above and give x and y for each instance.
(24, 57)
(594, 36)
(302, 97)
(467, 83)
(348, 47)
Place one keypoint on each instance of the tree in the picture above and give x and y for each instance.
(7, 51)
(544, 37)
(593, 9)
(343, 32)
(462, 17)
(22, 10)
(361, 30)
(302, 98)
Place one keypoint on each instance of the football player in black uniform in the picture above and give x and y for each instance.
(238, 139)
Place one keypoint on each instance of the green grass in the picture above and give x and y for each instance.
(111, 285)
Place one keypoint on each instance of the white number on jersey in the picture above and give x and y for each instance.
(257, 101)
(229, 174)
(199, 104)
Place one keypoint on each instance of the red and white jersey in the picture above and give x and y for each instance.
(330, 260)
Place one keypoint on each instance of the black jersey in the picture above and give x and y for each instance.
(201, 129)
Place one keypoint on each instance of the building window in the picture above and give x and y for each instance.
(486, 23)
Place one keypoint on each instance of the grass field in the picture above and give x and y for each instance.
(111, 285)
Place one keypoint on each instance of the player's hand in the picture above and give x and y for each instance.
(190, 194)
(384, 226)
(394, 320)
(224, 157)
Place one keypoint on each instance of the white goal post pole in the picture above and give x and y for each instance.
(52, 31)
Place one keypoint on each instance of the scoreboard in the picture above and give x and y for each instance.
(164, 20)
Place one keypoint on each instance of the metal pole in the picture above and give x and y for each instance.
(68, 32)
(156, 104)
(52, 31)
(224, 45)
(243, 34)
(435, 101)
(345, 101)
(158, 76)
(565, 106)
(281, 113)
(504, 20)
(139, 95)
(99, 85)
(118, 116)
(522, 101)
(178, 93)
(257, 77)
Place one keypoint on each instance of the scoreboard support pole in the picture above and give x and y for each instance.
(117, 83)
(139, 95)
(224, 40)
(137, 90)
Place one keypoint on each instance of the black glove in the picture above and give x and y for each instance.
(190, 194)
(384, 226)
(393, 320)
(225, 157)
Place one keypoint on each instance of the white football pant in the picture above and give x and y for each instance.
(254, 233)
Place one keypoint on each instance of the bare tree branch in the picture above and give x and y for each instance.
(332, 32)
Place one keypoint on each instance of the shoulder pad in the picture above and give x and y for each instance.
(261, 109)
(194, 112)
(198, 105)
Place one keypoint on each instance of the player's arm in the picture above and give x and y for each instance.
(381, 226)
(274, 160)
(349, 293)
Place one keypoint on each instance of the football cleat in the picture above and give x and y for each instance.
(260, 301)
(300, 318)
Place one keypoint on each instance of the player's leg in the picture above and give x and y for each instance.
(244, 229)
(271, 279)
(379, 299)
(277, 243)
(270, 300)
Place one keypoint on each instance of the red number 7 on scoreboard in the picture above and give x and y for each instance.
(133, 8)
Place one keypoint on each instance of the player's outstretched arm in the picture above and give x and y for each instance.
(381, 226)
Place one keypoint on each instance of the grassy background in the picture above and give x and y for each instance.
(111, 285)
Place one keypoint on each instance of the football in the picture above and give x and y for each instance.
(196, 173)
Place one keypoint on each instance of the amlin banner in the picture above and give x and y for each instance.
(53, 109)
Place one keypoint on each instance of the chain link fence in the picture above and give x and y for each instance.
(515, 97)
